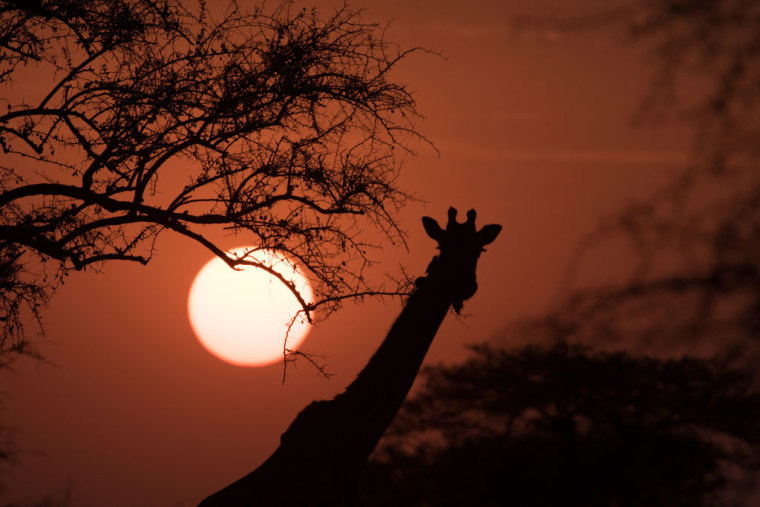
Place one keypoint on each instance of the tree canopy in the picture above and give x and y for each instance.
(124, 119)
(565, 424)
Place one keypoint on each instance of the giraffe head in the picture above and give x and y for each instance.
(461, 245)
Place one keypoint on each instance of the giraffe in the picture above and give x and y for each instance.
(323, 451)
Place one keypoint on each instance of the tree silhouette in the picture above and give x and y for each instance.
(695, 280)
(566, 425)
(274, 123)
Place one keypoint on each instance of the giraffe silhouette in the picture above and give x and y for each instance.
(325, 448)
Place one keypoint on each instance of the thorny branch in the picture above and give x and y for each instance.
(275, 124)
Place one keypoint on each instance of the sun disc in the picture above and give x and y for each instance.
(242, 316)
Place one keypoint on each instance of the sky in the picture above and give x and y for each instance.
(533, 130)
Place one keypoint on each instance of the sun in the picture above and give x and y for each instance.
(242, 316)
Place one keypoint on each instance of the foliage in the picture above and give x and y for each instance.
(695, 280)
(567, 425)
(706, 67)
(123, 119)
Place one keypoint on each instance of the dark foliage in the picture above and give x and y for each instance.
(564, 425)
(695, 280)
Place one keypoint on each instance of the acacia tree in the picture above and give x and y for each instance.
(569, 425)
(123, 119)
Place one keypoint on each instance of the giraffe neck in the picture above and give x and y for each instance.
(328, 443)
(382, 385)
(394, 366)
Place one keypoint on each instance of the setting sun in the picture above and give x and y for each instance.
(242, 316)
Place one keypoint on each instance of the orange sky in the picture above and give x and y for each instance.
(534, 132)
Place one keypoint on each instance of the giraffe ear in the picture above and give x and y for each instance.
(432, 228)
(488, 233)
